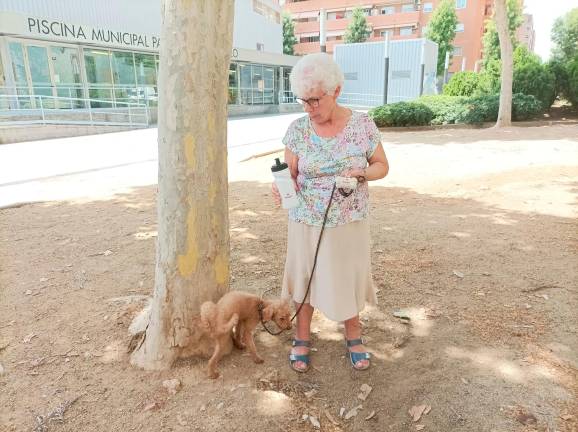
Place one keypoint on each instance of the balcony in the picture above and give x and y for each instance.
(400, 19)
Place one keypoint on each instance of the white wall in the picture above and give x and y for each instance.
(143, 16)
(250, 28)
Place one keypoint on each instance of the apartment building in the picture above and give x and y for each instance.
(526, 34)
(401, 19)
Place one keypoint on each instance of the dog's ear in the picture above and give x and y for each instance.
(268, 312)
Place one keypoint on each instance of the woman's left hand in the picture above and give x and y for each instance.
(357, 172)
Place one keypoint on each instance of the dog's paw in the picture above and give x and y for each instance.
(258, 360)
(213, 374)
(239, 345)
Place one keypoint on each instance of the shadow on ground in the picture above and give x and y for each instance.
(491, 344)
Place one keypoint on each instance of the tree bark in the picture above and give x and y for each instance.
(506, 52)
(192, 260)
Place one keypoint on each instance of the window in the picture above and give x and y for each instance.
(387, 10)
(367, 12)
(460, 27)
(382, 33)
(335, 15)
(458, 51)
(406, 31)
(461, 4)
(408, 8)
(267, 11)
(427, 7)
(307, 39)
(257, 84)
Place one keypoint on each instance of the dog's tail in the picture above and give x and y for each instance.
(209, 320)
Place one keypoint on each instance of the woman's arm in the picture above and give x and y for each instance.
(292, 161)
(377, 169)
(378, 165)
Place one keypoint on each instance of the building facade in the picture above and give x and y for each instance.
(401, 19)
(526, 34)
(107, 51)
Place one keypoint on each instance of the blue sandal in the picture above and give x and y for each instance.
(294, 358)
(354, 357)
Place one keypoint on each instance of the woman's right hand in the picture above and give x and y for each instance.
(276, 194)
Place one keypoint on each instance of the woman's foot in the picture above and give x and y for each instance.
(358, 355)
(299, 357)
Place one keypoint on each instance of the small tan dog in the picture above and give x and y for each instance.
(240, 311)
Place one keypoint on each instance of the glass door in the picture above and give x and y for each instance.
(66, 76)
(20, 76)
(40, 79)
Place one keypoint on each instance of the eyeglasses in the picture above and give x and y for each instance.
(312, 102)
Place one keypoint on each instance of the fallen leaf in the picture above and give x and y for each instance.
(419, 427)
(427, 410)
(353, 412)
(401, 314)
(341, 412)
(416, 412)
(365, 390)
(370, 416)
(29, 337)
(314, 422)
(330, 418)
(309, 394)
(107, 252)
(566, 417)
(526, 418)
(304, 417)
(150, 406)
(458, 274)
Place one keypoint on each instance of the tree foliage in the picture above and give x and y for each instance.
(491, 41)
(565, 36)
(442, 30)
(289, 38)
(357, 30)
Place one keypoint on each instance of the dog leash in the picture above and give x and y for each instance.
(261, 306)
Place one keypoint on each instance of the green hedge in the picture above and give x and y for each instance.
(437, 110)
(446, 109)
(463, 84)
(401, 114)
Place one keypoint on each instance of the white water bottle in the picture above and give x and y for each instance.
(285, 184)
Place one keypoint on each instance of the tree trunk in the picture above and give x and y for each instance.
(506, 51)
(192, 262)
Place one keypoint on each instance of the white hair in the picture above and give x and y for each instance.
(315, 71)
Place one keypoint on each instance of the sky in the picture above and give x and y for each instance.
(545, 12)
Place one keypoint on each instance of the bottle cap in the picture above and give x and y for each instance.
(279, 166)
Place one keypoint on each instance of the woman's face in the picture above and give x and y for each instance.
(319, 104)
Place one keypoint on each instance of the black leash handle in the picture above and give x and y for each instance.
(312, 270)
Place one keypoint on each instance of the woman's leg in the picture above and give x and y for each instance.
(353, 331)
(302, 332)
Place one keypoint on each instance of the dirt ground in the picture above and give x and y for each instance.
(474, 238)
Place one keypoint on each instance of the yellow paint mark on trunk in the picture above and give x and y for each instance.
(190, 149)
(187, 264)
(221, 269)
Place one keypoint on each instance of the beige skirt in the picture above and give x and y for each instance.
(342, 282)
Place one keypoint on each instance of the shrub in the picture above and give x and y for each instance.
(572, 87)
(525, 107)
(463, 84)
(485, 108)
(446, 109)
(535, 79)
(401, 114)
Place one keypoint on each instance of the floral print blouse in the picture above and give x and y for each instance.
(321, 159)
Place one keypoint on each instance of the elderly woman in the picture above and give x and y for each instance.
(329, 141)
